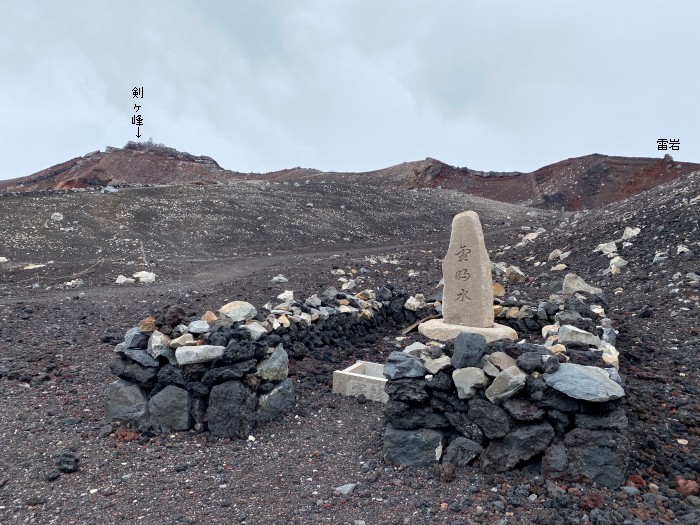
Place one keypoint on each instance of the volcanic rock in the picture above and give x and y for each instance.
(506, 385)
(170, 409)
(584, 382)
(415, 448)
(231, 410)
(522, 444)
(400, 365)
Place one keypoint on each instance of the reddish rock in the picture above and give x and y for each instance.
(591, 501)
(573, 184)
(687, 487)
(635, 480)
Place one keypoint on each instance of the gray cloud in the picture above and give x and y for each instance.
(493, 85)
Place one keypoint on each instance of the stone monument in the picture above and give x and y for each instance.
(467, 297)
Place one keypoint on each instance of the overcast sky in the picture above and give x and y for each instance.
(350, 85)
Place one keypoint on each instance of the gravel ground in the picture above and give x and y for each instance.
(55, 347)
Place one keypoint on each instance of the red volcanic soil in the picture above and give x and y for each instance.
(135, 164)
(573, 184)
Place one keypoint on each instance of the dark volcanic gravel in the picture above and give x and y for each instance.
(59, 463)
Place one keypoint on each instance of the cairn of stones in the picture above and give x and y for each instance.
(483, 400)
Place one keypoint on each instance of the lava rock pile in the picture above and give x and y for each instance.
(507, 405)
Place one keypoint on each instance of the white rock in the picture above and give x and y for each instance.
(571, 334)
(158, 343)
(610, 354)
(573, 283)
(416, 302)
(33, 266)
(435, 365)
(279, 279)
(183, 340)
(559, 267)
(616, 263)
(57, 216)
(468, 379)
(630, 233)
(3, 259)
(187, 355)
(144, 277)
(415, 348)
(598, 310)
(286, 297)
(606, 248)
(198, 327)
(554, 254)
(550, 329)
(256, 330)
(122, 279)
(238, 310)
(348, 285)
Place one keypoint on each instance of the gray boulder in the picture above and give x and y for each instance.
(133, 372)
(126, 402)
(462, 451)
(231, 410)
(400, 365)
(530, 362)
(413, 448)
(465, 426)
(468, 350)
(522, 444)
(573, 283)
(404, 416)
(587, 383)
(506, 385)
(590, 456)
(523, 410)
(408, 390)
(613, 419)
(221, 374)
(275, 367)
(134, 338)
(170, 409)
(277, 403)
(142, 357)
(492, 419)
(468, 380)
(198, 327)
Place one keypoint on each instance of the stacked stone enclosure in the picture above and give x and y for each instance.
(234, 376)
(497, 406)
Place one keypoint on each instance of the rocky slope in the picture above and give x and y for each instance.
(56, 345)
(573, 184)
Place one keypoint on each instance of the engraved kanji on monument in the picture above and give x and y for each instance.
(466, 270)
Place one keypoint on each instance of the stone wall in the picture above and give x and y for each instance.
(228, 373)
(503, 405)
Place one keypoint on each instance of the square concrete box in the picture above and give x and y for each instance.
(361, 378)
